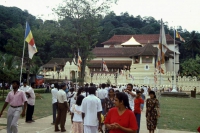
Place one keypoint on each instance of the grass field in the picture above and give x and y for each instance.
(179, 113)
(43, 107)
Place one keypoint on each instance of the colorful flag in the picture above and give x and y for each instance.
(162, 48)
(30, 40)
(105, 68)
(79, 62)
(179, 36)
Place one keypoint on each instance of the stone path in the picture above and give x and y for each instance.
(43, 126)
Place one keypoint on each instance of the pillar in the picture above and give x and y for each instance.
(140, 59)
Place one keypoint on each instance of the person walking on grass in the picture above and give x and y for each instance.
(137, 108)
(54, 92)
(62, 109)
(152, 112)
(91, 112)
(76, 116)
(15, 99)
(31, 103)
(24, 87)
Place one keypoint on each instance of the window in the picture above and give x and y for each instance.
(146, 67)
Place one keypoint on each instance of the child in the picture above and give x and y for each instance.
(137, 110)
(76, 117)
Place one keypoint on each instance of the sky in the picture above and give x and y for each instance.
(184, 13)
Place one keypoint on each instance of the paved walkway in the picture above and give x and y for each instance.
(43, 126)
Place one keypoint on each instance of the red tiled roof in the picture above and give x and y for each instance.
(57, 62)
(147, 50)
(115, 52)
(142, 39)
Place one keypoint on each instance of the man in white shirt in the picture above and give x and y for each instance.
(54, 92)
(131, 95)
(102, 95)
(62, 108)
(25, 87)
(31, 103)
(91, 112)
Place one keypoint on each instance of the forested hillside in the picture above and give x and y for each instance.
(51, 37)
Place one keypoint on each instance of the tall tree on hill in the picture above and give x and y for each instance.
(193, 43)
(12, 17)
(79, 24)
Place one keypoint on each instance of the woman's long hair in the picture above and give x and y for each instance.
(123, 97)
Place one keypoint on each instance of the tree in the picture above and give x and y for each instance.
(79, 25)
(11, 17)
(122, 31)
(9, 68)
(190, 67)
(193, 43)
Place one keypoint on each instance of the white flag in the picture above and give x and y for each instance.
(105, 68)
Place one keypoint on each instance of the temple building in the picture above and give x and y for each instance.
(129, 58)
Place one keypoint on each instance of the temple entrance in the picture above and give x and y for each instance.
(146, 80)
(72, 75)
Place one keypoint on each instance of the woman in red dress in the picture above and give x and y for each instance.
(121, 119)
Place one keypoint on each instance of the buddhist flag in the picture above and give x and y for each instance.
(162, 48)
(79, 62)
(179, 36)
(162, 44)
(105, 68)
(30, 40)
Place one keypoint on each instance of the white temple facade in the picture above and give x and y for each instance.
(130, 59)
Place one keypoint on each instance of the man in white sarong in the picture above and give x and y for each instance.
(91, 112)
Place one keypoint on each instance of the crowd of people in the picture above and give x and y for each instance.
(104, 108)
(92, 108)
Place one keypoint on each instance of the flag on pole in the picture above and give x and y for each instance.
(105, 68)
(79, 62)
(155, 76)
(30, 40)
(162, 44)
(179, 36)
(162, 48)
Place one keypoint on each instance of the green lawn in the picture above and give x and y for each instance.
(179, 113)
(43, 107)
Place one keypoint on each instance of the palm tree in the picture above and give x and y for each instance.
(193, 43)
(8, 68)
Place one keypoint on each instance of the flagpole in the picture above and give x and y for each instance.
(77, 69)
(161, 50)
(174, 86)
(23, 56)
(101, 69)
